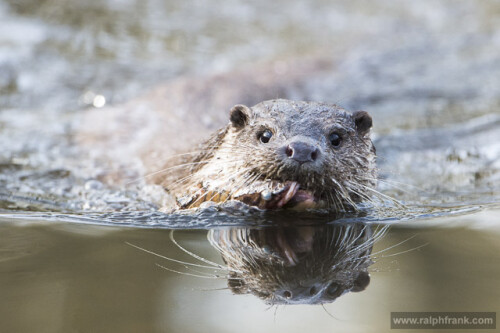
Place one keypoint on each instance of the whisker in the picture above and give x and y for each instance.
(188, 274)
(195, 255)
(164, 170)
(395, 184)
(383, 195)
(212, 289)
(393, 246)
(171, 186)
(396, 254)
(173, 260)
(328, 313)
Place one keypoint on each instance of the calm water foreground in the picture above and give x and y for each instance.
(56, 277)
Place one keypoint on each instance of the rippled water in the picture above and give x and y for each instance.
(428, 72)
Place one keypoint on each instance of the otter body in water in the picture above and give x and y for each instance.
(281, 153)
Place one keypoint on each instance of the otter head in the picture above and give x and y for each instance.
(290, 154)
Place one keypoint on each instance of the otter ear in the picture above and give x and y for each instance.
(239, 115)
(361, 282)
(363, 121)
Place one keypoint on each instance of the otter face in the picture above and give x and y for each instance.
(319, 153)
(290, 154)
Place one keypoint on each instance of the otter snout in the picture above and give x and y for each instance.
(302, 152)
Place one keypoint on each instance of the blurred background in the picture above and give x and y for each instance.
(55, 54)
(427, 71)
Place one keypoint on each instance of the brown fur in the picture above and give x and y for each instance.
(293, 265)
(233, 161)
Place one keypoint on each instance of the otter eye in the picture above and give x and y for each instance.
(265, 136)
(335, 139)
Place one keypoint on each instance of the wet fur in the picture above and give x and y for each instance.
(337, 262)
(233, 158)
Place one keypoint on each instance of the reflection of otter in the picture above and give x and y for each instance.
(296, 265)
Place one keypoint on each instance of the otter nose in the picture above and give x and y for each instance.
(302, 152)
(298, 293)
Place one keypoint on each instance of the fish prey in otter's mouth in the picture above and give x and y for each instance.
(282, 154)
(288, 196)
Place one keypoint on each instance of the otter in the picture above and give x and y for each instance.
(280, 154)
(317, 155)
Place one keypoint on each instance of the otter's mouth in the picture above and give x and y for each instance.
(283, 195)
(290, 246)
(290, 196)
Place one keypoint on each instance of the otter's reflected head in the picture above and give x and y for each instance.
(296, 265)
